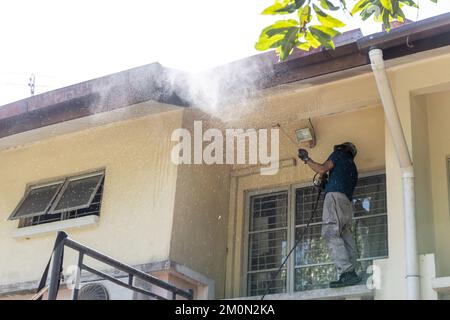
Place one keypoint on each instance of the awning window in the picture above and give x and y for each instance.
(36, 200)
(77, 193)
(67, 194)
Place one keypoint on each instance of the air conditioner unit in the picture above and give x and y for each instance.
(103, 290)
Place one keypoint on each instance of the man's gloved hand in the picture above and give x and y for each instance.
(303, 155)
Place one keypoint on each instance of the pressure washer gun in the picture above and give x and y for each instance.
(320, 180)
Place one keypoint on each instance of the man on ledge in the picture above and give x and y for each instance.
(337, 209)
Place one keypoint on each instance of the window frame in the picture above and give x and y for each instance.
(63, 189)
(65, 216)
(291, 226)
(28, 189)
(63, 181)
(248, 195)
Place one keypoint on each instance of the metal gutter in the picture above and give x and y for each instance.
(407, 39)
(406, 34)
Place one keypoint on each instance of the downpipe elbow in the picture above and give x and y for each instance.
(376, 59)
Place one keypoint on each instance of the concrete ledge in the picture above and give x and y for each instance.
(44, 228)
(352, 292)
(441, 284)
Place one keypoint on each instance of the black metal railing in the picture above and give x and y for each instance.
(56, 272)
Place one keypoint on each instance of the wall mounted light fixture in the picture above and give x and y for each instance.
(306, 135)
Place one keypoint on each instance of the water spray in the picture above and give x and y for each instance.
(286, 134)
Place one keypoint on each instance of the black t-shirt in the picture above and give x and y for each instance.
(344, 175)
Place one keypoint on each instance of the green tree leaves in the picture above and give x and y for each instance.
(327, 5)
(326, 19)
(313, 23)
(273, 36)
(284, 35)
(383, 11)
(287, 44)
(387, 4)
(359, 6)
(304, 15)
(284, 7)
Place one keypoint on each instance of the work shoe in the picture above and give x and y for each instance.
(346, 279)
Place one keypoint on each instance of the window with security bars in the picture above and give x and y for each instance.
(64, 199)
(313, 267)
(267, 242)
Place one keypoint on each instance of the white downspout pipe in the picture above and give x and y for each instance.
(401, 148)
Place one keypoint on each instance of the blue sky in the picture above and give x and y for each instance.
(68, 41)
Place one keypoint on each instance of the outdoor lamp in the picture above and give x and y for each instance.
(306, 135)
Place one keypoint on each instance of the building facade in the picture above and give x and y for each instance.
(95, 160)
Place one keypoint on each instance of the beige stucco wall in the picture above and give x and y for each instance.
(438, 109)
(200, 216)
(427, 137)
(365, 127)
(421, 159)
(139, 192)
(407, 80)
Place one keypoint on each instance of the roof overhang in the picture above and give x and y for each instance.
(402, 41)
(147, 84)
(125, 113)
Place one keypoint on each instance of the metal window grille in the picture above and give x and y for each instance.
(313, 265)
(268, 240)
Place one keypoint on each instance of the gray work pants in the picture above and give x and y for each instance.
(336, 231)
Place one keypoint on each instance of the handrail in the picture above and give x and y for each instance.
(123, 267)
(132, 272)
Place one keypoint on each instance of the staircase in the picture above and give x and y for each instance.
(62, 241)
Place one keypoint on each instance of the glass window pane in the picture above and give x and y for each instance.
(267, 250)
(36, 201)
(305, 200)
(257, 283)
(371, 236)
(268, 211)
(312, 249)
(370, 196)
(78, 193)
(314, 277)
